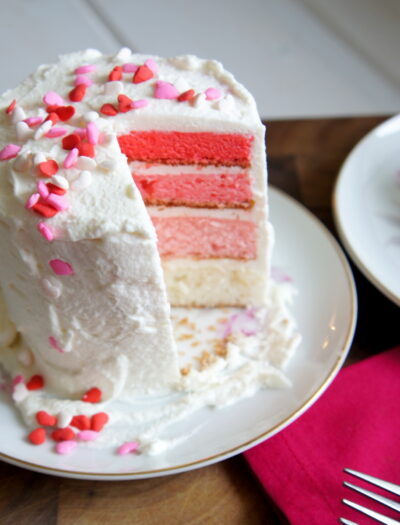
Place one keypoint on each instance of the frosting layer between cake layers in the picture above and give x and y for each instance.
(80, 272)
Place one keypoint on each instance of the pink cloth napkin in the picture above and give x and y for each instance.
(355, 424)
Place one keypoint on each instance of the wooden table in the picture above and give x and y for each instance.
(304, 158)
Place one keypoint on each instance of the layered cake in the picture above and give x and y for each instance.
(128, 184)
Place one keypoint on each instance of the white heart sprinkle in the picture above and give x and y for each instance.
(20, 392)
(108, 164)
(43, 129)
(52, 288)
(91, 116)
(82, 182)
(60, 181)
(38, 158)
(22, 130)
(85, 163)
(18, 114)
(123, 54)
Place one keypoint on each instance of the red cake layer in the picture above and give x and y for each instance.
(212, 190)
(205, 237)
(175, 147)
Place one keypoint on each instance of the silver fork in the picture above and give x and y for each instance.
(390, 487)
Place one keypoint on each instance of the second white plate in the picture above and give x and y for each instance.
(325, 309)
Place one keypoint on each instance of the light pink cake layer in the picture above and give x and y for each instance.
(205, 237)
(212, 190)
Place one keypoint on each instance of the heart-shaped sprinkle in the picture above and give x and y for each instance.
(43, 189)
(109, 110)
(70, 159)
(124, 103)
(86, 150)
(36, 382)
(82, 79)
(213, 93)
(78, 93)
(51, 288)
(127, 448)
(66, 447)
(65, 112)
(85, 163)
(87, 68)
(22, 130)
(93, 133)
(71, 141)
(141, 103)
(63, 434)
(165, 90)
(54, 188)
(11, 107)
(10, 151)
(37, 436)
(32, 200)
(93, 395)
(186, 95)
(82, 422)
(33, 121)
(98, 421)
(142, 74)
(53, 118)
(60, 267)
(115, 74)
(56, 132)
(45, 419)
(83, 181)
(48, 168)
(52, 98)
(87, 435)
(44, 209)
(151, 64)
(130, 68)
(59, 202)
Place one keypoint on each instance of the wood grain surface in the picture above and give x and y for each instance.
(304, 158)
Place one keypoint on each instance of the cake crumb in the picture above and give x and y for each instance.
(205, 360)
(220, 348)
(184, 337)
(195, 343)
(211, 327)
(185, 371)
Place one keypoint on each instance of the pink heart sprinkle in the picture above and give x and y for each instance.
(59, 202)
(32, 200)
(82, 79)
(45, 231)
(52, 98)
(33, 121)
(128, 447)
(60, 267)
(54, 343)
(92, 133)
(43, 189)
(213, 93)
(151, 64)
(81, 132)
(71, 158)
(165, 90)
(141, 103)
(88, 68)
(9, 152)
(88, 435)
(17, 379)
(56, 132)
(129, 68)
(66, 447)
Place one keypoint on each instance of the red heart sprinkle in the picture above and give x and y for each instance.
(186, 95)
(65, 112)
(98, 421)
(92, 396)
(44, 209)
(48, 168)
(63, 434)
(55, 189)
(142, 74)
(109, 110)
(124, 103)
(35, 382)
(11, 107)
(86, 150)
(71, 141)
(45, 419)
(77, 94)
(51, 108)
(37, 436)
(82, 422)
(116, 74)
(53, 117)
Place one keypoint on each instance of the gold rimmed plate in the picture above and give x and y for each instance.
(325, 309)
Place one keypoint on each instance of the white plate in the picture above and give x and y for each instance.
(367, 207)
(325, 309)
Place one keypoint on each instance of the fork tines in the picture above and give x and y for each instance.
(390, 487)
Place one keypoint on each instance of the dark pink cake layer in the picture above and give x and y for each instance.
(176, 147)
(212, 190)
(205, 237)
